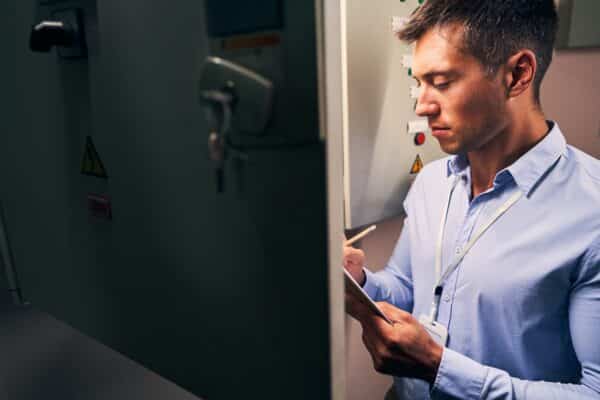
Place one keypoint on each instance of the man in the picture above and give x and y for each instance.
(512, 220)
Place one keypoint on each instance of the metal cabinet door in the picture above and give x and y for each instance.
(225, 294)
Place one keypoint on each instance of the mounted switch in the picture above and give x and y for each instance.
(419, 138)
(236, 101)
(250, 94)
(64, 30)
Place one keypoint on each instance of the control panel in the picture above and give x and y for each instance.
(385, 143)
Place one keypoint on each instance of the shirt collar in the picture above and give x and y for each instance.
(530, 167)
(457, 164)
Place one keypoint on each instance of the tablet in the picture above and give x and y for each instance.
(354, 289)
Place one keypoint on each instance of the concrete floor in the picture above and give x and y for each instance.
(42, 358)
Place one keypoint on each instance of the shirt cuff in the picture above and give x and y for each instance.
(458, 377)
(371, 286)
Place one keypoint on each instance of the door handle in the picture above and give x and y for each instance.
(47, 34)
(64, 30)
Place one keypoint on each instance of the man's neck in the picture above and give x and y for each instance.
(503, 150)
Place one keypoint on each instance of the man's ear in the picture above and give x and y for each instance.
(520, 72)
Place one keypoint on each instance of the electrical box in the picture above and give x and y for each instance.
(270, 39)
(386, 144)
(108, 189)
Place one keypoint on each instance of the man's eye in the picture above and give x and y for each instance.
(441, 85)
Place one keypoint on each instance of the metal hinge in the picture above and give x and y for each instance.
(6, 258)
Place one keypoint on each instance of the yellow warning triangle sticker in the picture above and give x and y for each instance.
(91, 163)
(417, 165)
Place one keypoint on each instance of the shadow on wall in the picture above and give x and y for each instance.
(571, 96)
(5, 298)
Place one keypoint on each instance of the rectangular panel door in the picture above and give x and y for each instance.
(223, 293)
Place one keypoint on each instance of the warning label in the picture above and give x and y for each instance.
(91, 163)
(253, 41)
(417, 165)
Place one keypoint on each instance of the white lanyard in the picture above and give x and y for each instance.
(438, 287)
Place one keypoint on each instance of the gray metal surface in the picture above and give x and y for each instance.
(43, 358)
(198, 287)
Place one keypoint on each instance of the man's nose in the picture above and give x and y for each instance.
(426, 107)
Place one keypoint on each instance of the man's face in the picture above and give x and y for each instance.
(464, 106)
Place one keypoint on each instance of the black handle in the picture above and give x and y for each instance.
(51, 33)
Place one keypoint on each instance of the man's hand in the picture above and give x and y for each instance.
(354, 261)
(404, 349)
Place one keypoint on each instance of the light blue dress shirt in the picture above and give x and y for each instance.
(523, 308)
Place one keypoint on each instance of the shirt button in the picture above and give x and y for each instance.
(458, 250)
(446, 298)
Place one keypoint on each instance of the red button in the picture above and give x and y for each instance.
(419, 138)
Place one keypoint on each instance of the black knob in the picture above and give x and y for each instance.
(51, 33)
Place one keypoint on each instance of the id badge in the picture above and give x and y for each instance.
(437, 331)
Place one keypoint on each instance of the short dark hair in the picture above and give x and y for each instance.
(493, 29)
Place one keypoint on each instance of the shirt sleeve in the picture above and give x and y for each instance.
(393, 284)
(460, 377)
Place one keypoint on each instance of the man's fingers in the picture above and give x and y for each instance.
(352, 253)
(378, 346)
(367, 340)
(394, 313)
(353, 261)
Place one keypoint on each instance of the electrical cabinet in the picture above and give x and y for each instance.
(114, 221)
(386, 144)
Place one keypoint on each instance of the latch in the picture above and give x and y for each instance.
(64, 30)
